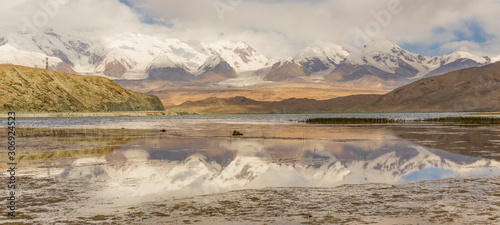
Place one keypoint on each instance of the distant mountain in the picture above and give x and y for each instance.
(380, 63)
(457, 61)
(25, 89)
(321, 58)
(473, 89)
(133, 56)
(215, 69)
(164, 68)
(392, 64)
(243, 105)
(288, 70)
(239, 55)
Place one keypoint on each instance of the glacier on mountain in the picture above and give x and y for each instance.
(134, 56)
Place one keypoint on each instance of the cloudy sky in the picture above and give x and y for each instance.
(278, 28)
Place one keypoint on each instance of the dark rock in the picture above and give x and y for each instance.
(237, 133)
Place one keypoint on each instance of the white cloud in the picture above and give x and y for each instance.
(466, 46)
(290, 25)
(277, 28)
(79, 15)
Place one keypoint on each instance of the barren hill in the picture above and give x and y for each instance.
(243, 105)
(26, 89)
(474, 89)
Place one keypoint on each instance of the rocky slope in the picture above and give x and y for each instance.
(288, 70)
(25, 89)
(214, 70)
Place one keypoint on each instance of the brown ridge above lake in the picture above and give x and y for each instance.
(25, 89)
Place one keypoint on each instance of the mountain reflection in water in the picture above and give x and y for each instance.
(186, 166)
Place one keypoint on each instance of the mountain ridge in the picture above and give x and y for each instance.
(133, 56)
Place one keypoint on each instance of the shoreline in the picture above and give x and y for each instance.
(96, 114)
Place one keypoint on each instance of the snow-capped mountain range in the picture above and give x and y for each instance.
(385, 60)
(134, 56)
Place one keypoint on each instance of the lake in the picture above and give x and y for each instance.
(117, 164)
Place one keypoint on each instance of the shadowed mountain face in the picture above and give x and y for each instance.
(285, 71)
(27, 89)
(214, 70)
(170, 74)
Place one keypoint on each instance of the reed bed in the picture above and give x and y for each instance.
(353, 120)
(457, 120)
(465, 120)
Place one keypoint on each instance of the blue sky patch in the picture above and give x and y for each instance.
(427, 174)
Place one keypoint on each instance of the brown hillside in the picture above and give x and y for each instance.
(243, 105)
(474, 89)
(26, 89)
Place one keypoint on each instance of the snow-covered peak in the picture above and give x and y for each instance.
(387, 56)
(495, 59)
(324, 51)
(163, 61)
(146, 49)
(381, 46)
(240, 55)
(14, 56)
(212, 62)
(458, 55)
(289, 59)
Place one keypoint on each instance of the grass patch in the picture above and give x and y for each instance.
(399, 196)
(159, 214)
(466, 120)
(98, 217)
(484, 113)
(353, 120)
(254, 199)
(178, 206)
(458, 120)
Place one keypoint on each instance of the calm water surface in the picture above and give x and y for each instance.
(198, 155)
(174, 121)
